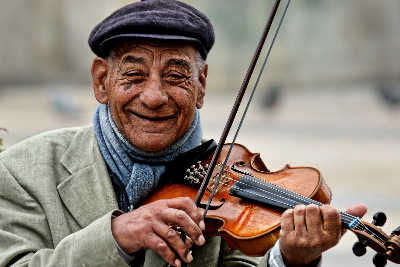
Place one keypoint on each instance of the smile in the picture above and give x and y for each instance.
(156, 119)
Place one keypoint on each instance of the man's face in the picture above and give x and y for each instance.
(153, 90)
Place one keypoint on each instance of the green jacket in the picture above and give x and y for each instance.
(56, 206)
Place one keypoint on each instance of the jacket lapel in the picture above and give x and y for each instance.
(87, 193)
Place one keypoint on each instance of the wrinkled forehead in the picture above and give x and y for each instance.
(154, 48)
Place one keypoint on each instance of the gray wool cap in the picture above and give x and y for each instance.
(155, 20)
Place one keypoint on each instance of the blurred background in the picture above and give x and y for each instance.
(329, 98)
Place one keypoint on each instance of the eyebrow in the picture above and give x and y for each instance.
(133, 59)
(179, 63)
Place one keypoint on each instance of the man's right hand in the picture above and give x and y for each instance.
(150, 227)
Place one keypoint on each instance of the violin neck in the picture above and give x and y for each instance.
(254, 189)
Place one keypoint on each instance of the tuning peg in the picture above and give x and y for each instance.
(379, 219)
(359, 249)
(379, 260)
(396, 231)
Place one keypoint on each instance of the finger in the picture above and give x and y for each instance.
(357, 210)
(158, 245)
(331, 219)
(187, 204)
(287, 223)
(313, 219)
(181, 218)
(299, 219)
(174, 240)
(188, 242)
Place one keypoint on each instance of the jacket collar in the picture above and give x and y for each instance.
(87, 193)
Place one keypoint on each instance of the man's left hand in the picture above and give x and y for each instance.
(307, 231)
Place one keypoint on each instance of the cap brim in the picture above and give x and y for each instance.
(106, 44)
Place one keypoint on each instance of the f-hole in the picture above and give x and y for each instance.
(203, 206)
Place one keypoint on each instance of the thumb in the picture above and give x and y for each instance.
(357, 210)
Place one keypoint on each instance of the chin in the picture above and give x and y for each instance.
(152, 142)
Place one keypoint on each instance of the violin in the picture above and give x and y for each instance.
(250, 199)
(243, 200)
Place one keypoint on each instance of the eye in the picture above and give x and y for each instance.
(134, 73)
(135, 76)
(175, 77)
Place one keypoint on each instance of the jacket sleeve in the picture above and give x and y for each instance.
(26, 239)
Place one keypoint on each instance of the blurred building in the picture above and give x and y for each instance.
(322, 41)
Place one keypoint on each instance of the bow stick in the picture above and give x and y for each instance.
(237, 103)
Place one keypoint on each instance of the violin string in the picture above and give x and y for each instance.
(348, 218)
(293, 202)
(248, 104)
(298, 199)
(363, 227)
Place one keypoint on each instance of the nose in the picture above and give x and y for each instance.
(153, 96)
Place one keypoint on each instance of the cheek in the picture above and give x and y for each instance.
(184, 99)
(121, 97)
(123, 93)
(187, 105)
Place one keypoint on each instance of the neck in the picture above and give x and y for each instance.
(258, 190)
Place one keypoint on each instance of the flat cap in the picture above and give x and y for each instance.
(154, 20)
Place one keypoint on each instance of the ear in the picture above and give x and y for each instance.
(202, 86)
(99, 75)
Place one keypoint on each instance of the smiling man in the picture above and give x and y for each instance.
(75, 197)
(152, 90)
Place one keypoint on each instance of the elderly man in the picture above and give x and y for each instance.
(74, 197)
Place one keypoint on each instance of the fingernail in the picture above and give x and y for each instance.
(177, 263)
(202, 225)
(189, 256)
(201, 240)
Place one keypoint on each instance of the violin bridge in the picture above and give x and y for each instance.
(224, 179)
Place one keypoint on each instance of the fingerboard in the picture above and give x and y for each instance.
(254, 189)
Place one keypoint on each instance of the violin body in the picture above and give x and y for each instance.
(247, 226)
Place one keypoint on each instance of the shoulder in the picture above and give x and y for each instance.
(53, 142)
(40, 156)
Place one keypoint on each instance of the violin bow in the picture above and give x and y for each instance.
(235, 108)
(371, 236)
